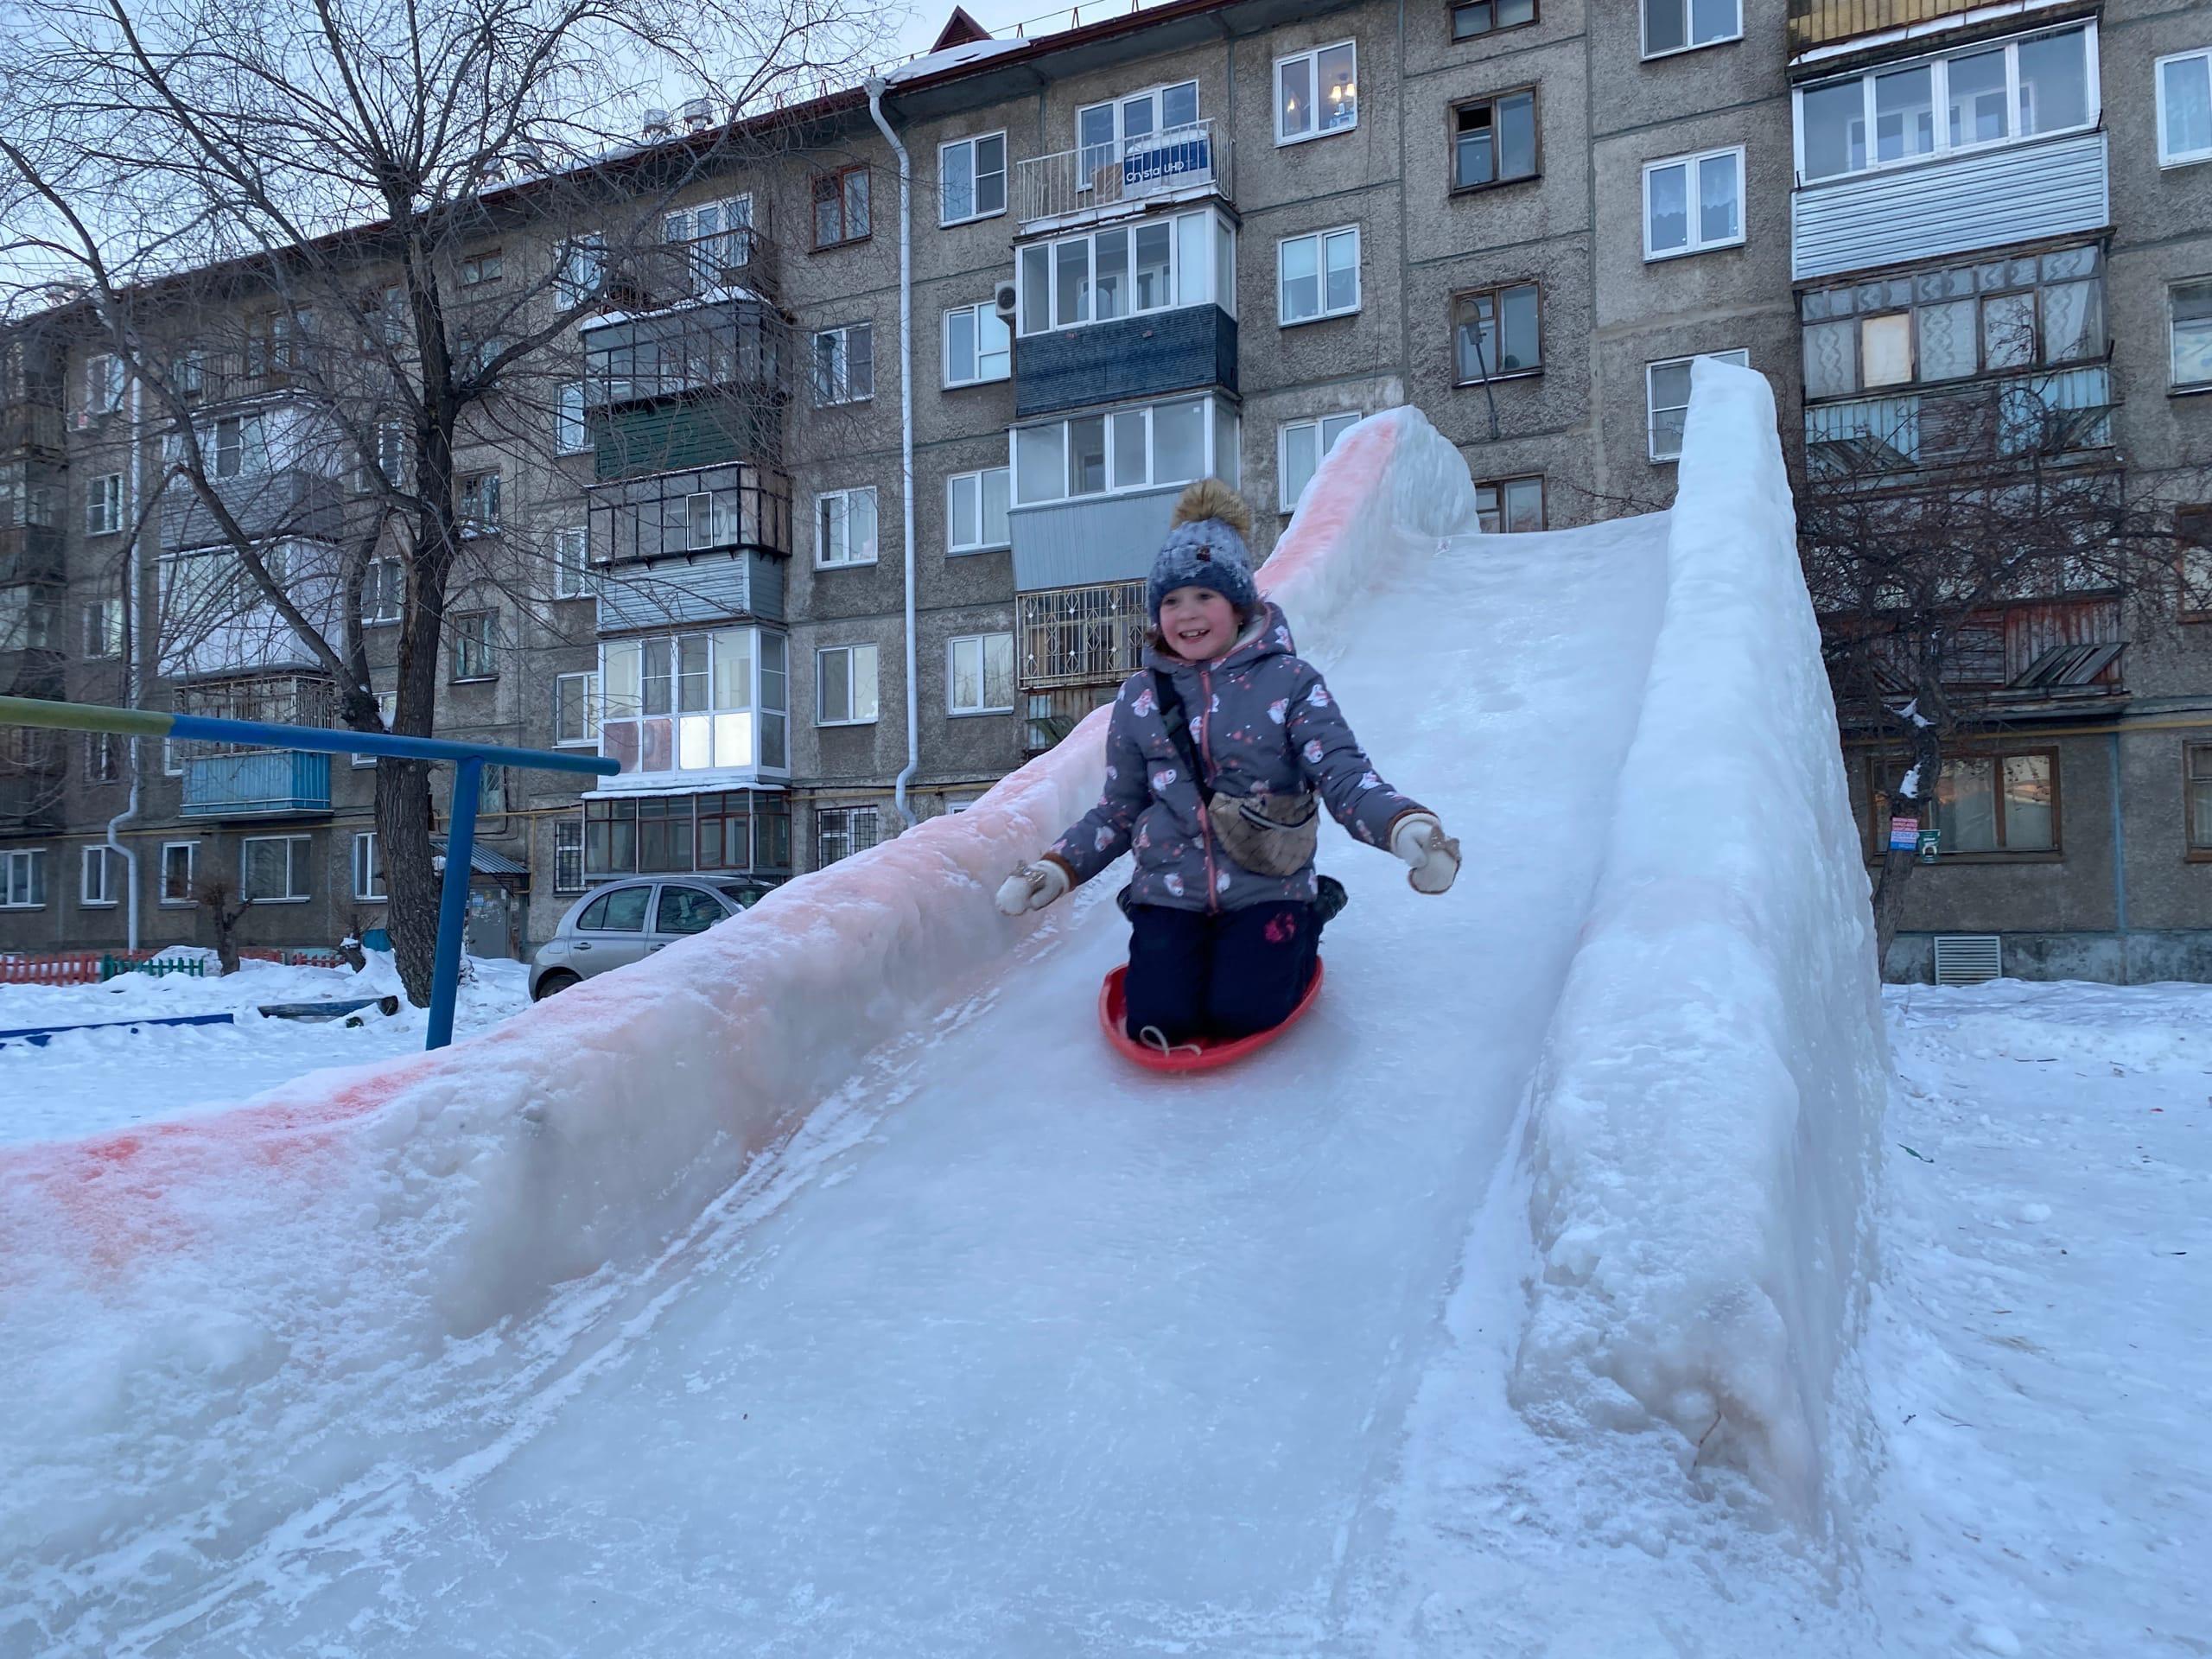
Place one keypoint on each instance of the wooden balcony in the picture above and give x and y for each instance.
(1827, 22)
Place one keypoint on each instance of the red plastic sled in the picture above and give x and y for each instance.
(1113, 1011)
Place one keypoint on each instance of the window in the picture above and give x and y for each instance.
(104, 505)
(392, 467)
(840, 831)
(1317, 275)
(978, 345)
(1317, 93)
(570, 435)
(188, 374)
(580, 270)
(475, 636)
(383, 591)
(103, 627)
(1495, 332)
(971, 179)
(101, 878)
(2197, 774)
(844, 685)
(180, 862)
(22, 879)
(1940, 325)
(622, 911)
(1125, 450)
(1667, 399)
(719, 235)
(2193, 561)
(728, 829)
(695, 701)
(103, 756)
(238, 446)
(1472, 18)
(844, 528)
(1996, 92)
(841, 207)
(1300, 446)
(976, 510)
(479, 502)
(1670, 225)
(368, 869)
(24, 499)
(478, 267)
(568, 855)
(1494, 141)
(273, 869)
(27, 622)
(1679, 25)
(1997, 804)
(1127, 269)
(844, 365)
(2191, 327)
(2185, 108)
(575, 711)
(102, 383)
(979, 675)
(571, 563)
(1511, 504)
(1105, 133)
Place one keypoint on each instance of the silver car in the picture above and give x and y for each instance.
(625, 921)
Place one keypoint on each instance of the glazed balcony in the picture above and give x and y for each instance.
(2054, 413)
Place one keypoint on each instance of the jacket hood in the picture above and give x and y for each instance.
(1266, 634)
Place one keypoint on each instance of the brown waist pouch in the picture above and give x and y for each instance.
(1269, 835)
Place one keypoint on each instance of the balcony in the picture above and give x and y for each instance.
(1814, 23)
(1148, 355)
(30, 426)
(1078, 645)
(31, 553)
(2056, 413)
(269, 783)
(1099, 182)
(288, 502)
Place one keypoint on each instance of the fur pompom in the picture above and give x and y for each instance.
(1212, 499)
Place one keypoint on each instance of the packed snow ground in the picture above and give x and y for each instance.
(85, 1082)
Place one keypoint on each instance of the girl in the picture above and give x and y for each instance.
(1216, 749)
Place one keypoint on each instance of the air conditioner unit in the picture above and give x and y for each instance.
(1968, 958)
(1004, 300)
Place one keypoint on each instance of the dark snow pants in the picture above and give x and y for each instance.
(1193, 974)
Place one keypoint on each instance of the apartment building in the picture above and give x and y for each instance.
(1207, 237)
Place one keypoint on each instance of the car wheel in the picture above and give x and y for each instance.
(559, 980)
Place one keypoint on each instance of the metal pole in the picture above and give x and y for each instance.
(452, 901)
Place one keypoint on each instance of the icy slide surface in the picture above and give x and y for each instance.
(961, 1338)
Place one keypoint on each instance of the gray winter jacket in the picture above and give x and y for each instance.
(1262, 721)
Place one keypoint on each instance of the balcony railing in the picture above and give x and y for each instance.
(1125, 174)
(1082, 636)
(1825, 22)
(260, 783)
(2063, 411)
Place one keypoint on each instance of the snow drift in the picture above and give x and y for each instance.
(1704, 1124)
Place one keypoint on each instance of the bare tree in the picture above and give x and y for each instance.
(1974, 556)
(224, 904)
(339, 256)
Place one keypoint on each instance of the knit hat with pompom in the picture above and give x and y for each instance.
(1205, 549)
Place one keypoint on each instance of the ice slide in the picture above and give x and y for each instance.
(824, 1286)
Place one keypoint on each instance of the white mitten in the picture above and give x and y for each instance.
(1032, 886)
(1431, 856)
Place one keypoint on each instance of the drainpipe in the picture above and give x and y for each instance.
(2118, 853)
(133, 485)
(905, 437)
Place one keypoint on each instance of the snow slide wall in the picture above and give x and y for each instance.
(1704, 1124)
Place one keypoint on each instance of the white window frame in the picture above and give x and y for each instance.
(1320, 241)
(944, 176)
(571, 435)
(1737, 355)
(296, 891)
(572, 562)
(104, 628)
(982, 312)
(589, 737)
(680, 226)
(103, 757)
(1311, 58)
(1689, 9)
(374, 891)
(102, 383)
(982, 642)
(827, 395)
(191, 851)
(977, 481)
(98, 866)
(2174, 382)
(1223, 431)
(843, 500)
(104, 505)
(384, 593)
(1939, 95)
(1319, 425)
(851, 654)
(1156, 96)
(1181, 285)
(1690, 164)
(2187, 157)
(22, 885)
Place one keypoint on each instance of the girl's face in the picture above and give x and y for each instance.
(1197, 623)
